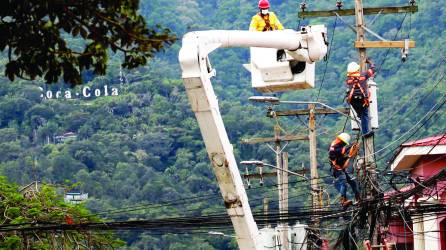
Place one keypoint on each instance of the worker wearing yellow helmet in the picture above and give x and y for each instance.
(358, 93)
(339, 155)
(265, 20)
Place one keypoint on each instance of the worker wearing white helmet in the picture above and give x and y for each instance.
(339, 155)
(358, 93)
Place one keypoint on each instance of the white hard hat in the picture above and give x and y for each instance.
(353, 67)
(344, 137)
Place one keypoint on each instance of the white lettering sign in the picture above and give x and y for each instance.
(86, 92)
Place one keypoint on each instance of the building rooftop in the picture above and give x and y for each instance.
(409, 153)
(430, 141)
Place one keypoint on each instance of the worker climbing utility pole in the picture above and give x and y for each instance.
(316, 191)
(361, 44)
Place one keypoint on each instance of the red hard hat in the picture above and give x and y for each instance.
(263, 4)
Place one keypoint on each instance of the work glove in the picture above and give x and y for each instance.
(353, 150)
(370, 63)
(366, 102)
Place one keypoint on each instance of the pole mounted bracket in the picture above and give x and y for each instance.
(405, 50)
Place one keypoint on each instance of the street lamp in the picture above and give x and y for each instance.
(270, 99)
(275, 100)
(261, 164)
(221, 234)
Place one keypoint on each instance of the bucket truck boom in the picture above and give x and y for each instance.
(305, 46)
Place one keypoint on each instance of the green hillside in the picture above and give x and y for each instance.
(143, 147)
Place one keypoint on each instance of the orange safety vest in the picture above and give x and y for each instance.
(334, 155)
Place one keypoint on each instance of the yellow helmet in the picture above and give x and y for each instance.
(353, 67)
(344, 137)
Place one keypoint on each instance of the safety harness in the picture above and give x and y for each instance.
(265, 18)
(355, 83)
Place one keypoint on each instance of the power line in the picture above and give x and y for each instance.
(388, 50)
(430, 112)
(417, 129)
(327, 59)
(415, 92)
(222, 220)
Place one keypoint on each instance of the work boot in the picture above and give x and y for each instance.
(346, 202)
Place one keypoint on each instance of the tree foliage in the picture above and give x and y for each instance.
(34, 35)
(31, 207)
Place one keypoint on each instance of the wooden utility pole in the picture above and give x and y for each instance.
(265, 210)
(361, 44)
(369, 162)
(313, 161)
(283, 201)
(316, 191)
(285, 181)
(282, 176)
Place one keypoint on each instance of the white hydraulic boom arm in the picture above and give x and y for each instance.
(305, 46)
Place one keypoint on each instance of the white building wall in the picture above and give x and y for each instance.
(418, 231)
(431, 232)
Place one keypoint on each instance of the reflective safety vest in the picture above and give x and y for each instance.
(338, 154)
(267, 22)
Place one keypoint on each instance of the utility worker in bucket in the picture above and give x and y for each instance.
(265, 20)
(358, 93)
(339, 155)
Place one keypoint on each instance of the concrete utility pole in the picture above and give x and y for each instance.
(361, 44)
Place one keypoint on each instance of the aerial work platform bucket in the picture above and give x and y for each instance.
(272, 74)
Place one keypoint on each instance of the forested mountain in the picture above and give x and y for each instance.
(141, 145)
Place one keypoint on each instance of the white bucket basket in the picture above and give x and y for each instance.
(271, 75)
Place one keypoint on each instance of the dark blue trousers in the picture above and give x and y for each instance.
(341, 180)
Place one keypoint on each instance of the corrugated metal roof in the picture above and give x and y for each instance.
(430, 141)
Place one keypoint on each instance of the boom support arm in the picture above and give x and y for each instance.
(196, 74)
